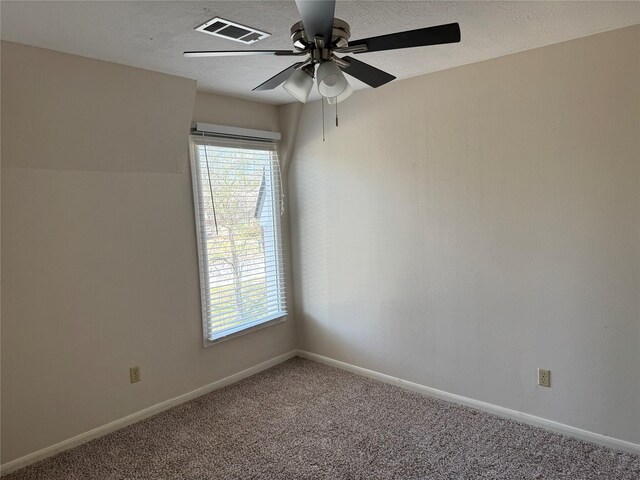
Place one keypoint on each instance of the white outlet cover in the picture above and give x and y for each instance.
(544, 377)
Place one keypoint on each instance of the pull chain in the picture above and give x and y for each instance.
(336, 113)
(322, 101)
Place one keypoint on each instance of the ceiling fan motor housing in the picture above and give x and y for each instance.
(339, 36)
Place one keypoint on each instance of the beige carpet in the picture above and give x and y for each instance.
(303, 420)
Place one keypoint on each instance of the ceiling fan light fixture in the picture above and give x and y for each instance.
(331, 81)
(299, 85)
(343, 96)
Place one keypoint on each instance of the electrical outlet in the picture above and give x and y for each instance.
(134, 374)
(544, 377)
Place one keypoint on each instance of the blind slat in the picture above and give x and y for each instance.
(234, 329)
(233, 317)
(217, 300)
(250, 303)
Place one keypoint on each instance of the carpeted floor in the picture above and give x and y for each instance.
(303, 420)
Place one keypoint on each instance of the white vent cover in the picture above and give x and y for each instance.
(232, 31)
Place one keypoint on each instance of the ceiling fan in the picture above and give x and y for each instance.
(320, 37)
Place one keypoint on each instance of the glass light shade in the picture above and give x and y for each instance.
(346, 93)
(299, 85)
(331, 81)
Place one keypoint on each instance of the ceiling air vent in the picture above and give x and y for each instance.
(232, 31)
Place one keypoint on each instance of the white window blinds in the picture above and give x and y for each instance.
(238, 204)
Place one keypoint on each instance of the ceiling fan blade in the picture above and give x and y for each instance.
(449, 33)
(278, 78)
(317, 18)
(372, 76)
(234, 53)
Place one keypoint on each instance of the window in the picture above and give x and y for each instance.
(238, 203)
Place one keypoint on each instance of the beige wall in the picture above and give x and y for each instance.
(463, 228)
(61, 111)
(99, 265)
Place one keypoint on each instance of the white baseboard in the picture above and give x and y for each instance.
(155, 409)
(477, 404)
(140, 415)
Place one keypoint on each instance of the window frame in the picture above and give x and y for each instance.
(197, 139)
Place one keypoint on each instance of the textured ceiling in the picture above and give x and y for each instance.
(153, 35)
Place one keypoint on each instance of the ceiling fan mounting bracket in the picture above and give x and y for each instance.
(341, 62)
(353, 49)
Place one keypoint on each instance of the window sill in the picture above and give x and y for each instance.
(260, 326)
